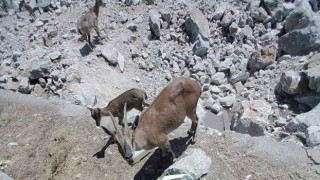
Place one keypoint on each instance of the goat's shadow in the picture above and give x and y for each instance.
(155, 165)
(101, 153)
(86, 50)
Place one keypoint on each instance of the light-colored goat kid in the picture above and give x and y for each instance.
(168, 111)
(134, 98)
(89, 21)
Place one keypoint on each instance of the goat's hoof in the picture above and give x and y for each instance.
(190, 132)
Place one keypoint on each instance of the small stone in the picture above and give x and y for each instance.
(132, 27)
(39, 23)
(228, 101)
(137, 79)
(55, 55)
(42, 82)
(218, 78)
(215, 89)
(216, 108)
(12, 144)
(280, 122)
(121, 61)
(55, 75)
(3, 79)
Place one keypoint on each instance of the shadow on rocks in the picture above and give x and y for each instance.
(155, 165)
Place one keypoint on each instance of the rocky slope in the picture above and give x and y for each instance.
(258, 61)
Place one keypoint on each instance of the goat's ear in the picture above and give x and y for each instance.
(135, 122)
(108, 132)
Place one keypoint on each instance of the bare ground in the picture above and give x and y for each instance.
(58, 141)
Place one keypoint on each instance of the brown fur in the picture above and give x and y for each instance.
(167, 112)
(135, 98)
(89, 21)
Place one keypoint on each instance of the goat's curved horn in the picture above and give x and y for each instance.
(113, 121)
(125, 115)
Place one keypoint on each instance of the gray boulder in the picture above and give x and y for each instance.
(109, 53)
(310, 118)
(219, 11)
(154, 22)
(303, 37)
(314, 155)
(24, 86)
(43, 3)
(197, 24)
(200, 165)
(201, 47)
(293, 82)
(275, 7)
(250, 126)
(260, 14)
(313, 73)
(259, 110)
(38, 68)
(313, 136)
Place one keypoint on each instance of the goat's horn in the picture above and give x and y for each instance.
(95, 101)
(125, 115)
(113, 121)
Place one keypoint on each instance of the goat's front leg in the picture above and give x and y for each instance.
(120, 118)
(166, 148)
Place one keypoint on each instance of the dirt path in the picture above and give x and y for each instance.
(58, 141)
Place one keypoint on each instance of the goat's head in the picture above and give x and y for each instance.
(125, 138)
(96, 115)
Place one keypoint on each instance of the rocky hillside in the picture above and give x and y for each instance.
(258, 61)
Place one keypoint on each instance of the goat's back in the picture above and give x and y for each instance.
(169, 109)
(132, 97)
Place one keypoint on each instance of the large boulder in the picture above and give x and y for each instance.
(275, 8)
(311, 118)
(197, 24)
(313, 136)
(258, 110)
(4, 176)
(251, 127)
(313, 73)
(302, 31)
(154, 22)
(200, 165)
(293, 82)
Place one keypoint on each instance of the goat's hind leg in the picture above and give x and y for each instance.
(193, 130)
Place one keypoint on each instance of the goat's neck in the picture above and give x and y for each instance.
(96, 7)
(140, 140)
(105, 110)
